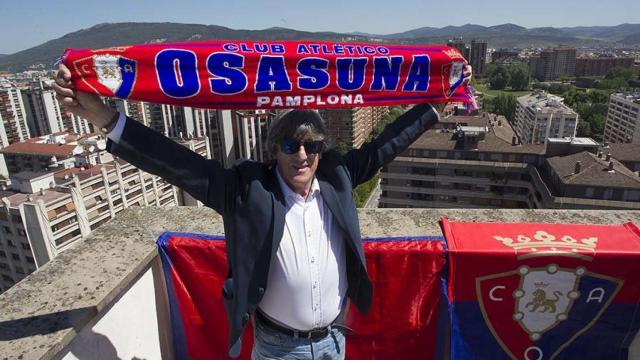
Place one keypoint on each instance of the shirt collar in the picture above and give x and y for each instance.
(288, 193)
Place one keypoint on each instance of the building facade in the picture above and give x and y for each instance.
(481, 164)
(600, 65)
(13, 121)
(552, 63)
(352, 126)
(540, 116)
(44, 213)
(478, 57)
(623, 118)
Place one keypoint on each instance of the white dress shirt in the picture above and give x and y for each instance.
(307, 281)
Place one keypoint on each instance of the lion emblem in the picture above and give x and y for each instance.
(541, 302)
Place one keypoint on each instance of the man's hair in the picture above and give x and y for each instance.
(296, 124)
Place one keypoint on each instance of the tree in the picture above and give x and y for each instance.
(504, 105)
(519, 77)
(342, 147)
(498, 78)
(619, 73)
(584, 129)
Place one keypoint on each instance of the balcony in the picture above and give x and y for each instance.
(105, 296)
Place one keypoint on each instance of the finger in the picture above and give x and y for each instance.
(64, 70)
(63, 76)
(64, 91)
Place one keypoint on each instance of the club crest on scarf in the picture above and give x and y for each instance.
(109, 74)
(534, 312)
(452, 77)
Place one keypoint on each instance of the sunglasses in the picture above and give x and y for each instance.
(291, 146)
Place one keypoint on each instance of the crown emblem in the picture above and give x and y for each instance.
(453, 53)
(540, 285)
(544, 244)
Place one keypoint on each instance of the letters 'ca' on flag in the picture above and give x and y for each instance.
(272, 75)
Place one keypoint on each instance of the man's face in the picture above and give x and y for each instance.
(297, 169)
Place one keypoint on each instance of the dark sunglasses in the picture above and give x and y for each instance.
(291, 146)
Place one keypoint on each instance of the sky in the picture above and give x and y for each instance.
(27, 23)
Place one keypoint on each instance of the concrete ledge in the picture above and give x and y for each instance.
(42, 314)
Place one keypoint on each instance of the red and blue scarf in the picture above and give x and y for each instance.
(272, 75)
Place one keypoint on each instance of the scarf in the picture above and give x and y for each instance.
(272, 74)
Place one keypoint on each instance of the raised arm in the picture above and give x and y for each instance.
(365, 162)
(149, 150)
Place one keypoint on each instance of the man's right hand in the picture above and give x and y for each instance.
(85, 105)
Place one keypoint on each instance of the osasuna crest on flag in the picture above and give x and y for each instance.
(543, 291)
(551, 306)
(108, 73)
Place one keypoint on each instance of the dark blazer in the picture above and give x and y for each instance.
(249, 198)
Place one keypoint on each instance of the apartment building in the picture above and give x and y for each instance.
(43, 213)
(13, 122)
(54, 152)
(540, 116)
(598, 65)
(478, 162)
(352, 126)
(186, 122)
(552, 63)
(623, 118)
(478, 57)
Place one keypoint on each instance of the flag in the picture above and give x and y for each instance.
(406, 319)
(542, 291)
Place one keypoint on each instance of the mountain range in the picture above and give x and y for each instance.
(505, 35)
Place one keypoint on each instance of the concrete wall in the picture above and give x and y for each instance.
(127, 329)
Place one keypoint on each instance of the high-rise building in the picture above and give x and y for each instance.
(540, 116)
(250, 130)
(554, 62)
(43, 112)
(13, 122)
(478, 162)
(478, 57)
(623, 118)
(352, 126)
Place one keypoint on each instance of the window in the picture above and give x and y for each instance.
(22, 232)
(15, 257)
(19, 270)
(30, 260)
(25, 246)
(3, 254)
(6, 229)
(7, 278)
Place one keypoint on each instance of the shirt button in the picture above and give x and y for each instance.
(246, 317)
(313, 260)
(261, 290)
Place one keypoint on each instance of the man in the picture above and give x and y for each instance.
(293, 240)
